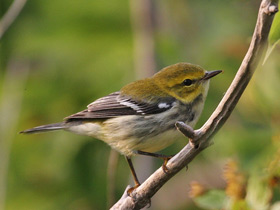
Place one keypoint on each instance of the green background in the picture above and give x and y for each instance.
(74, 52)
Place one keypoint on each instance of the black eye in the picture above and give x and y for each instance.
(187, 82)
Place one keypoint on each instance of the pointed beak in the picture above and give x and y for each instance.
(210, 74)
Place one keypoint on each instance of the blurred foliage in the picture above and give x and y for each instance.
(81, 50)
(241, 192)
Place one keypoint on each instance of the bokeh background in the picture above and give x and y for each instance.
(58, 56)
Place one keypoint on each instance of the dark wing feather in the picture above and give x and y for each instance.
(115, 105)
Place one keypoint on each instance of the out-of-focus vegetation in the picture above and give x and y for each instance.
(77, 51)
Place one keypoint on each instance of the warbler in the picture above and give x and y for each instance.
(141, 117)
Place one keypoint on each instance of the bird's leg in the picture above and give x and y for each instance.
(136, 181)
(161, 156)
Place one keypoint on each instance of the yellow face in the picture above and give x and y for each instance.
(183, 80)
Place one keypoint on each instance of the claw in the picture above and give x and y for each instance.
(164, 167)
(166, 158)
(130, 190)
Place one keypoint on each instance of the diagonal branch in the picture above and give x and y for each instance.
(200, 139)
(11, 15)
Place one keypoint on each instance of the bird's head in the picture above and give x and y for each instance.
(184, 81)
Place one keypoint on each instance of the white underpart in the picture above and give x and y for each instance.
(88, 129)
(118, 139)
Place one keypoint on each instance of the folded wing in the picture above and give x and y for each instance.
(115, 105)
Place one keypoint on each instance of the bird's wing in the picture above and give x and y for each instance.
(115, 105)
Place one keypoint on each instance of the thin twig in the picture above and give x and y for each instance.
(142, 195)
(10, 16)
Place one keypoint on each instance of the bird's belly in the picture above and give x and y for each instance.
(128, 146)
(126, 136)
(159, 142)
(131, 133)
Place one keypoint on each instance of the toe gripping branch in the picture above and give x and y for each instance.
(165, 158)
(136, 180)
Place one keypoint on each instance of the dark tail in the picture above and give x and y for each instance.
(45, 128)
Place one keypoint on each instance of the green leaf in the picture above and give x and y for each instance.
(274, 34)
(214, 199)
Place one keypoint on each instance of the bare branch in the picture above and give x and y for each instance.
(142, 195)
(185, 129)
(11, 15)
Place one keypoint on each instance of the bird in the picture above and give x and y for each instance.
(140, 118)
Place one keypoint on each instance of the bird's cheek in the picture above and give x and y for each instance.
(205, 86)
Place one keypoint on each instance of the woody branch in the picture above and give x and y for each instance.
(200, 139)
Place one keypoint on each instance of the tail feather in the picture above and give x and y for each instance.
(45, 128)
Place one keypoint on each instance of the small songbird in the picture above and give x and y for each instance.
(141, 117)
